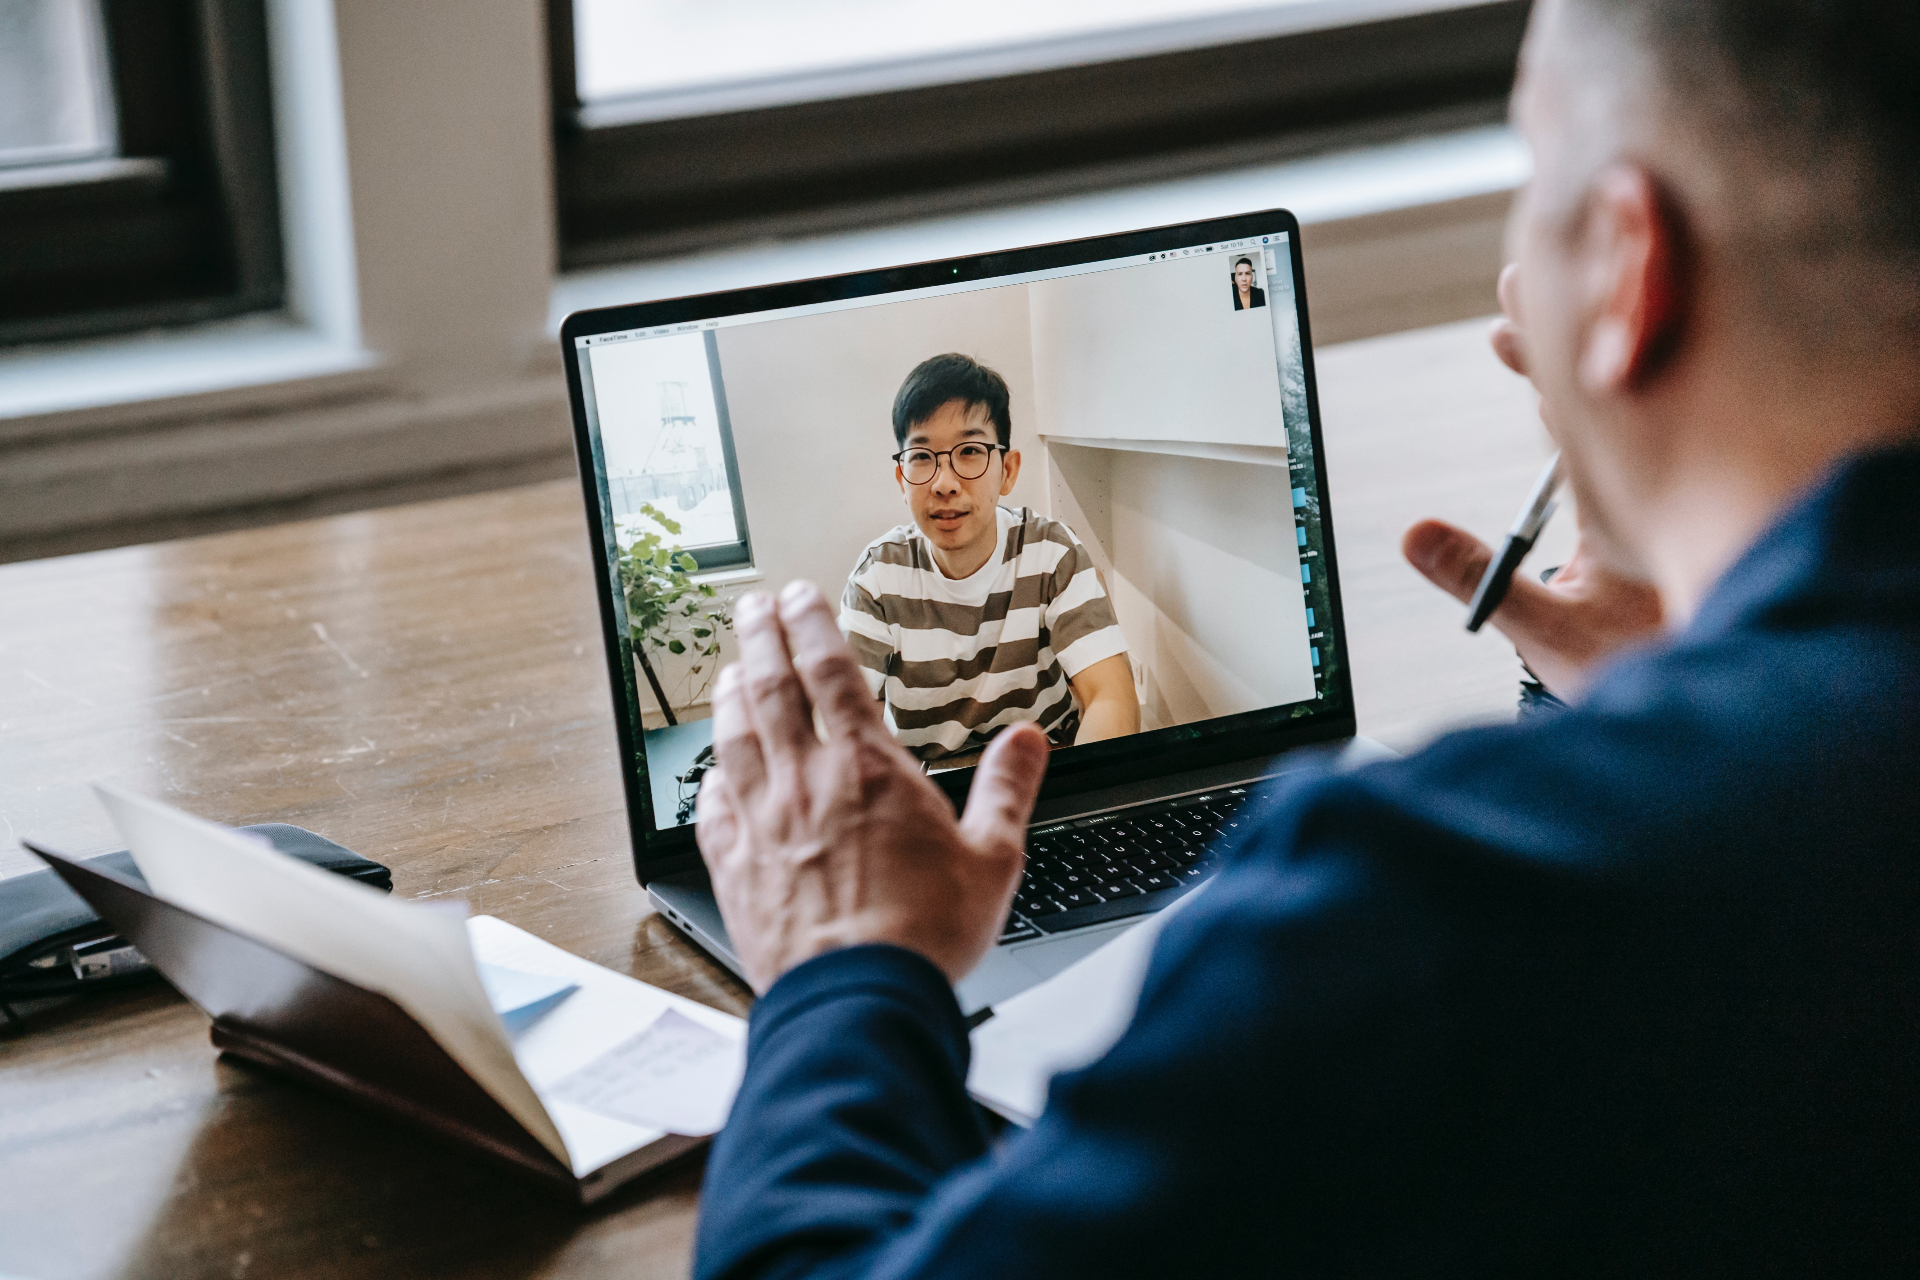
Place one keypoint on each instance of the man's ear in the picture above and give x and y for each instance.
(1636, 267)
(900, 478)
(1011, 463)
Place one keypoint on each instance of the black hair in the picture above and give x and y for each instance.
(1248, 261)
(951, 377)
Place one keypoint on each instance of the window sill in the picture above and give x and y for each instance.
(48, 389)
(1473, 169)
(37, 180)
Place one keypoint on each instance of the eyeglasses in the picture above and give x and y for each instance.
(969, 462)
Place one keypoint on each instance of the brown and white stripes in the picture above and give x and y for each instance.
(958, 659)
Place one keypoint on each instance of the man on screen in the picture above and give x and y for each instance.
(976, 616)
(1246, 295)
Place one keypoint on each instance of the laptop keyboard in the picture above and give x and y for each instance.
(1115, 865)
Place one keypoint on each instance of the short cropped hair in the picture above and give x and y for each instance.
(951, 377)
(1812, 108)
(1247, 261)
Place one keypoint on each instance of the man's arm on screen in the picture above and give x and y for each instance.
(1108, 706)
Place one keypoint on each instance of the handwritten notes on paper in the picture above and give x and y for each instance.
(676, 1075)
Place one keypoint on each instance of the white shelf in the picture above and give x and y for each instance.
(1244, 454)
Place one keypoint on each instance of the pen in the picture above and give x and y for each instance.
(1520, 539)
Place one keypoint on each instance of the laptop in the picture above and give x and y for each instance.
(1158, 387)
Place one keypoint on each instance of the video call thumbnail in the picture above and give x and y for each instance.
(1065, 500)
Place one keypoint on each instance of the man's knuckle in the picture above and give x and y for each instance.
(765, 686)
(815, 657)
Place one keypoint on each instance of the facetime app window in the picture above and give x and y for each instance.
(1149, 525)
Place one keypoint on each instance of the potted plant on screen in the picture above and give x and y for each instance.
(668, 612)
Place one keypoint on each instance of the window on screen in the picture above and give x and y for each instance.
(668, 447)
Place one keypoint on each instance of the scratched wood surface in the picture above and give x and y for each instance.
(425, 685)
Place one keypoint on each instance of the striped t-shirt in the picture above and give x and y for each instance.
(959, 659)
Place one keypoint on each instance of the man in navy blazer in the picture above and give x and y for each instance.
(1628, 988)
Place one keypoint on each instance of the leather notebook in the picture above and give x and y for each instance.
(393, 1005)
(52, 942)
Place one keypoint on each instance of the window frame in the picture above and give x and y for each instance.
(646, 189)
(712, 557)
(723, 556)
(183, 225)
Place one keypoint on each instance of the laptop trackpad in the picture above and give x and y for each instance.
(1007, 971)
(1003, 972)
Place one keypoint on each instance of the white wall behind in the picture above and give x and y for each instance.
(1155, 352)
(1201, 559)
(447, 133)
(811, 403)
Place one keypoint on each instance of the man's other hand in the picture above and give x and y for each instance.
(1563, 629)
(825, 838)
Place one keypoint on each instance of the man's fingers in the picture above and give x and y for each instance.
(1447, 556)
(716, 825)
(1531, 614)
(774, 697)
(735, 743)
(828, 670)
(1004, 786)
(1454, 560)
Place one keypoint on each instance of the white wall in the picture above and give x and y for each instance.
(1201, 559)
(1155, 352)
(448, 137)
(811, 402)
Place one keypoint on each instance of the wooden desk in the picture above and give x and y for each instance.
(425, 685)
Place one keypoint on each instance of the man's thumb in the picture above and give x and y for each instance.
(1447, 556)
(1004, 786)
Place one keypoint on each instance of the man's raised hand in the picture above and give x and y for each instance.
(832, 838)
(1564, 630)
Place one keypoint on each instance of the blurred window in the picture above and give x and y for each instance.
(137, 177)
(55, 102)
(660, 58)
(682, 124)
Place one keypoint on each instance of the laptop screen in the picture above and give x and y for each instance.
(1078, 485)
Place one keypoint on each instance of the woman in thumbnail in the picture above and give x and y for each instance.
(975, 616)
(1246, 296)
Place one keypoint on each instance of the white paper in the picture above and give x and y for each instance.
(608, 1010)
(520, 998)
(676, 1075)
(1065, 1023)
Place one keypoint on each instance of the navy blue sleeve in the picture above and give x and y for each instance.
(1281, 1056)
(1630, 989)
(854, 1105)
